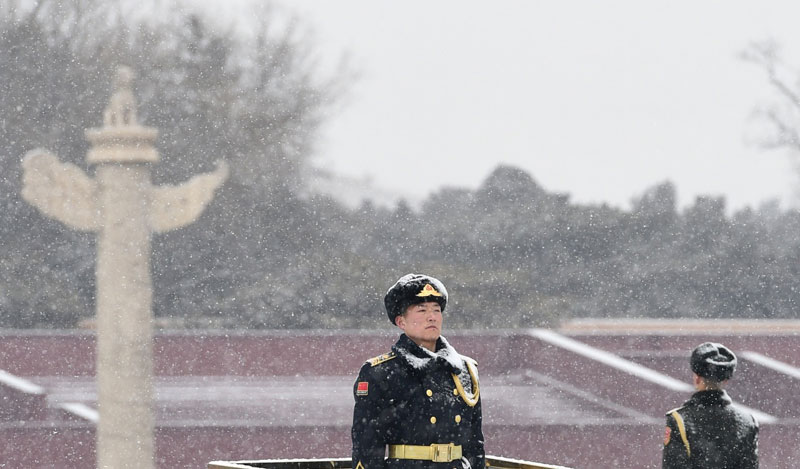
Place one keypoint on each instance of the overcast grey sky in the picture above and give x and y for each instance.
(600, 100)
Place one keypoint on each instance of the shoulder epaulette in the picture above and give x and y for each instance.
(469, 359)
(681, 429)
(382, 358)
(674, 410)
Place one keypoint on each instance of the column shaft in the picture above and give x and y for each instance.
(124, 319)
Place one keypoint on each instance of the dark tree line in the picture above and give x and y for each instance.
(267, 255)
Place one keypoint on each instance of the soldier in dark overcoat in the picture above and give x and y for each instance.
(418, 406)
(707, 431)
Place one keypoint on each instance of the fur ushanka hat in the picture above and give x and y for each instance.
(412, 289)
(713, 361)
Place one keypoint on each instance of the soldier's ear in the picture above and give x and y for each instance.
(400, 321)
(697, 381)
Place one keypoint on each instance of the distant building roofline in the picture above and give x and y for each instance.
(680, 326)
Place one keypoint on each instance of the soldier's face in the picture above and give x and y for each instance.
(422, 323)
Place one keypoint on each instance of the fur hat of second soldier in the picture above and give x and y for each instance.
(713, 361)
(411, 289)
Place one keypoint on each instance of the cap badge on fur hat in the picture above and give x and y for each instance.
(411, 289)
(428, 291)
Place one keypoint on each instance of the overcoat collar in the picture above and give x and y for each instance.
(710, 398)
(422, 359)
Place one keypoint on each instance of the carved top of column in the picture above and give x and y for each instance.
(121, 109)
(122, 139)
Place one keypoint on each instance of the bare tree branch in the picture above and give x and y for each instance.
(785, 128)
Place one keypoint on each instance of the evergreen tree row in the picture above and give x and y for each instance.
(265, 255)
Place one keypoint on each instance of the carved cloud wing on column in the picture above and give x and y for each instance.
(173, 207)
(60, 190)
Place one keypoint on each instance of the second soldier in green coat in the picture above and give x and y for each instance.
(707, 431)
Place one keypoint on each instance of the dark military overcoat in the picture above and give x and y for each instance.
(413, 397)
(709, 433)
